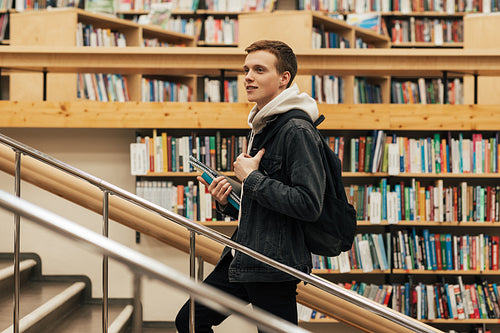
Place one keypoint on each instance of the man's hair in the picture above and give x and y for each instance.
(286, 59)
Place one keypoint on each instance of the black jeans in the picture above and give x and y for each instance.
(278, 298)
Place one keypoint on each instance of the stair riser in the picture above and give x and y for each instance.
(7, 285)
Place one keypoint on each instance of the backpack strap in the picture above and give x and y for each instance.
(272, 128)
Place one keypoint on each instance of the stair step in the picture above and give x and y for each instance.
(88, 318)
(39, 303)
(7, 273)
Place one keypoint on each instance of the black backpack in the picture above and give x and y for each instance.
(335, 229)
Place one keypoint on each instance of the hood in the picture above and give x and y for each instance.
(290, 98)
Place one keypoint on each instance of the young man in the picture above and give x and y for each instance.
(283, 187)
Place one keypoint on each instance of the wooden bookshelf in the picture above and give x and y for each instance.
(189, 116)
(25, 29)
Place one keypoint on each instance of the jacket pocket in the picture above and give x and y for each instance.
(270, 165)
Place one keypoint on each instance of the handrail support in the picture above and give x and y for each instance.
(192, 274)
(105, 266)
(17, 245)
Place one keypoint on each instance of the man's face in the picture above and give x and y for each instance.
(262, 80)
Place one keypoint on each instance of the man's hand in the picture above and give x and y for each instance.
(245, 164)
(219, 189)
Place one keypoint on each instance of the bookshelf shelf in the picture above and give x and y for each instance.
(462, 321)
(404, 223)
(424, 14)
(220, 224)
(421, 175)
(321, 321)
(424, 44)
(352, 271)
(182, 174)
(444, 272)
(197, 115)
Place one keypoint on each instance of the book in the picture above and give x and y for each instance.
(209, 174)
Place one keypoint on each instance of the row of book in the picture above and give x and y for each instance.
(103, 87)
(426, 91)
(366, 92)
(436, 31)
(369, 252)
(411, 250)
(138, 5)
(87, 35)
(213, 93)
(440, 300)
(240, 5)
(434, 251)
(188, 26)
(328, 89)
(192, 5)
(154, 90)
(415, 202)
(393, 154)
(221, 31)
(192, 201)
(162, 153)
(328, 39)
(381, 152)
(443, 300)
(403, 6)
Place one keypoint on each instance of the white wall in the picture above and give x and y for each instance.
(103, 153)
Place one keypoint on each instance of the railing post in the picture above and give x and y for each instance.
(475, 88)
(105, 233)
(17, 245)
(200, 268)
(137, 318)
(192, 273)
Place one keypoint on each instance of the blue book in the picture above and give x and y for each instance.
(436, 297)
(422, 154)
(383, 251)
(432, 245)
(383, 188)
(428, 263)
(208, 174)
(407, 298)
(397, 188)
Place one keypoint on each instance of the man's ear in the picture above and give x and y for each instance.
(285, 78)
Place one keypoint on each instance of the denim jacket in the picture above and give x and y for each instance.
(285, 191)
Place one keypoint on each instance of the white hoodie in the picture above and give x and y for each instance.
(289, 99)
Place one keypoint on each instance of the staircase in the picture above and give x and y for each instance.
(60, 304)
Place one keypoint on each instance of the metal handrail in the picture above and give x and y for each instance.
(326, 286)
(207, 295)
